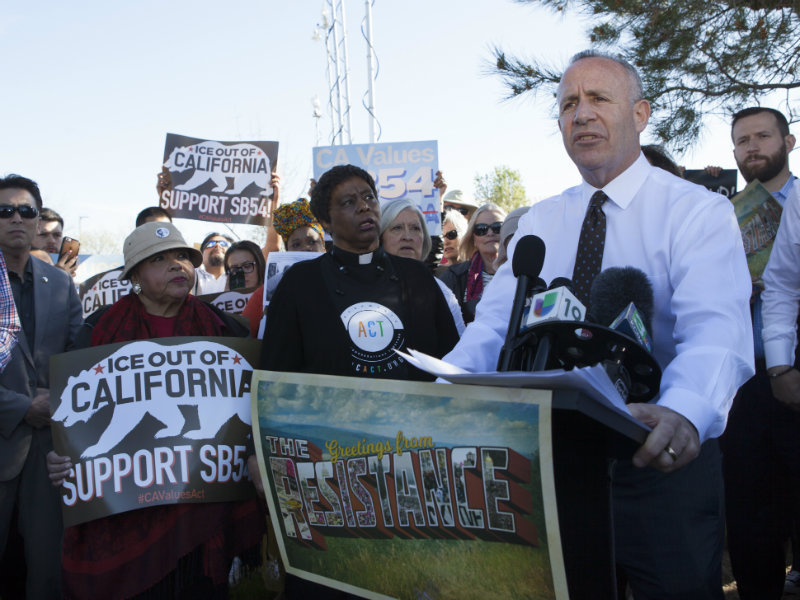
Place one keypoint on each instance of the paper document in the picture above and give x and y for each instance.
(592, 381)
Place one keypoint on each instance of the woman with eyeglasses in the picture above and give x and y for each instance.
(478, 252)
(244, 264)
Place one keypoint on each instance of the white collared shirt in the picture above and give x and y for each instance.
(687, 241)
(782, 287)
(206, 283)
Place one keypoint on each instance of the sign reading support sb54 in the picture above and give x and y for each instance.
(152, 422)
(225, 182)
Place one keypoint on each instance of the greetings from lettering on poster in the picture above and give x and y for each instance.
(223, 182)
(400, 170)
(152, 422)
(445, 480)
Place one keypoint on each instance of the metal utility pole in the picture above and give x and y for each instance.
(334, 26)
(370, 70)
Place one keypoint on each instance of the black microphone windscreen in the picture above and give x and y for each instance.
(616, 287)
(561, 282)
(528, 257)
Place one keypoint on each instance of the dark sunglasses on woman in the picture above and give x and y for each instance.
(451, 235)
(25, 211)
(482, 229)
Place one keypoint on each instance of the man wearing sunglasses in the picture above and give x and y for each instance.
(210, 276)
(50, 315)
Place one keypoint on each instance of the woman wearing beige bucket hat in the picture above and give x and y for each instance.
(170, 549)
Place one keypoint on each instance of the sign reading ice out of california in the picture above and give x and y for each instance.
(410, 491)
(223, 182)
(152, 422)
(400, 170)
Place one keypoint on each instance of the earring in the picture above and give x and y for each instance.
(137, 288)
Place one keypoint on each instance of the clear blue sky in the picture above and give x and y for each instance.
(91, 88)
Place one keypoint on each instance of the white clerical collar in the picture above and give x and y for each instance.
(365, 259)
(624, 186)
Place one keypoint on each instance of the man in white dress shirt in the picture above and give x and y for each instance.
(667, 499)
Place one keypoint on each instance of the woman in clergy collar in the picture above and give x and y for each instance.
(345, 312)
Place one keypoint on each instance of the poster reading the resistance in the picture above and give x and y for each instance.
(410, 490)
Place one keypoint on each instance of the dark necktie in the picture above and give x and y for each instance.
(590, 247)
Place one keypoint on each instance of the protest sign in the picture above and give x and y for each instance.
(400, 170)
(759, 215)
(94, 264)
(223, 182)
(724, 183)
(102, 290)
(230, 301)
(400, 489)
(277, 263)
(152, 422)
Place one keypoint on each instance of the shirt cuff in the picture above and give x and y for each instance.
(778, 352)
(708, 422)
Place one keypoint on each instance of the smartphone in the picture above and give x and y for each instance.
(236, 279)
(69, 244)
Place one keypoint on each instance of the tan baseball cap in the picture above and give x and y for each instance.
(150, 239)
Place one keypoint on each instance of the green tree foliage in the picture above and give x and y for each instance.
(503, 186)
(695, 56)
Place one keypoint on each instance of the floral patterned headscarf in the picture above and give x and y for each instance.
(289, 217)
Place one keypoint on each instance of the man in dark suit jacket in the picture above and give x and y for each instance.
(50, 314)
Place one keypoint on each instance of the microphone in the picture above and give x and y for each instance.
(526, 266)
(622, 299)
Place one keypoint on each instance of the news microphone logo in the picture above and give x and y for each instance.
(631, 323)
(555, 305)
(544, 305)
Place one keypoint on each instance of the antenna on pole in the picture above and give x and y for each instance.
(372, 70)
(337, 70)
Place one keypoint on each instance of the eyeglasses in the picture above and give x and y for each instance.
(462, 209)
(451, 235)
(25, 211)
(247, 267)
(220, 243)
(482, 229)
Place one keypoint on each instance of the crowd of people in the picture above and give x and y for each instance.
(723, 450)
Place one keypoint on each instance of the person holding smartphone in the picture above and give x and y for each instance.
(244, 265)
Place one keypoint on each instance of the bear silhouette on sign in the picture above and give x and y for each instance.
(218, 396)
(244, 163)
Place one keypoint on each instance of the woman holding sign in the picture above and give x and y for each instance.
(166, 550)
(345, 312)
